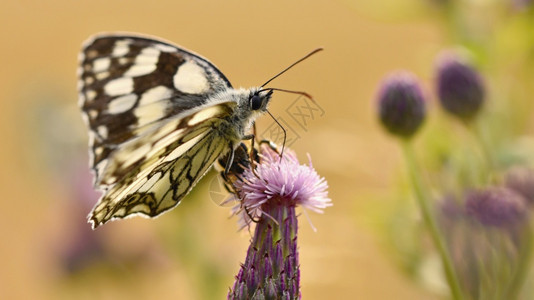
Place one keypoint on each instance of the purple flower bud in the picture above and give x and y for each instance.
(496, 207)
(401, 105)
(459, 86)
(521, 180)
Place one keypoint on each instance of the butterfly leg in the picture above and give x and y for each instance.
(252, 135)
(252, 158)
(250, 216)
(230, 160)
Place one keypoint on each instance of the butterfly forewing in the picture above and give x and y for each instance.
(128, 84)
(151, 127)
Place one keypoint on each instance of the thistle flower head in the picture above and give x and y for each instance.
(496, 207)
(281, 179)
(459, 86)
(401, 105)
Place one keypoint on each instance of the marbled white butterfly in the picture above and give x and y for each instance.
(159, 116)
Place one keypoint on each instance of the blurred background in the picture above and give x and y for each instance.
(48, 250)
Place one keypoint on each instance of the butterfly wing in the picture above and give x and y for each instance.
(152, 173)
(150, 127)
(130, 83)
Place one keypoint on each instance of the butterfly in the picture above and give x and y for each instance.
(159, 116)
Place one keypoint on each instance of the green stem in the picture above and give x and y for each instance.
(422, 196)
(480, 136)
(523, 263)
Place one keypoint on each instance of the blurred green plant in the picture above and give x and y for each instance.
(402, 110)
(478, 178)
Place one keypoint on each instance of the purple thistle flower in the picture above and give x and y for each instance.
(460, 87)
(283, 180)
(270, 194)
(401, 105)
(496, 207)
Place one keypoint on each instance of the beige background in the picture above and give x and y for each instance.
(194, 251)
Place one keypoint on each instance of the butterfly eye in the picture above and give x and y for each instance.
(255, 102)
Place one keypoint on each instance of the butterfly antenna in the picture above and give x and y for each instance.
(292, 65)
(291, 92)
(283, 130)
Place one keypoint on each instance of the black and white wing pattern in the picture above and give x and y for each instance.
(152, 132)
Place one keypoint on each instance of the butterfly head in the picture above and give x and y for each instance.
(259, 99)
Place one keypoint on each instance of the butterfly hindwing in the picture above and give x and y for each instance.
(172, 159)
(128, 84)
